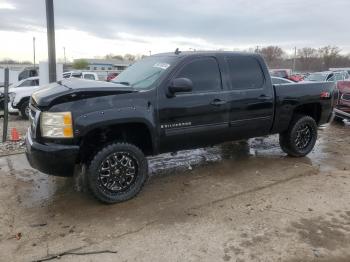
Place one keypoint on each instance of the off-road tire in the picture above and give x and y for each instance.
(288, 139)
(93, 173)
(25, 109)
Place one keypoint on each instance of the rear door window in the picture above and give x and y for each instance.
(204, 74)
(245, 73)
(89, 76)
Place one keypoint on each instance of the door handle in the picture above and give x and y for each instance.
(264, 97)
(218, 102)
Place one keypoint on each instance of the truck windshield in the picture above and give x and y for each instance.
(317, 77)
(145, 72)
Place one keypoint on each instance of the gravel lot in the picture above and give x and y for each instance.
(243, 201)
(11, 147)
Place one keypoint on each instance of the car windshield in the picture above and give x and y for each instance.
(145, 72)
(319, 77)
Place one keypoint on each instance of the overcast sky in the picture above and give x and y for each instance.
(90, 28)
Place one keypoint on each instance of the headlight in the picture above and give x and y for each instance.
(56, 125)
(12, 97)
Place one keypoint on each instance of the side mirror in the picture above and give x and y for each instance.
(180, 85)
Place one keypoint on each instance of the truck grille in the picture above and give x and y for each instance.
(346, 97)
(34, 115)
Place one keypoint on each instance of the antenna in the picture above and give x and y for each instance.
(177, 51)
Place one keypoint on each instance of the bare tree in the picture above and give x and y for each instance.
(112, 56)
(307, 57)
(119, 57)
(272, 55)
(329, 56)
(129, 57)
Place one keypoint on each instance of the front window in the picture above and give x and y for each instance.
(28, 83)
(316, 77)
(204, 74)
(144, 73)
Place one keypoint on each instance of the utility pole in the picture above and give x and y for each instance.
(64, 53)
(6, 101)
(50, 23)
(295, 57)
(34, 51)
(257, 50)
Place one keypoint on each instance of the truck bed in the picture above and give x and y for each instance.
(290, 96)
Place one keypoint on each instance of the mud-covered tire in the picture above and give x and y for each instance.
(100, 185)
(301, 136)
(25, 109)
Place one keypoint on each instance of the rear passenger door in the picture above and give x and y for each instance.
(251, 97)
(194, 118)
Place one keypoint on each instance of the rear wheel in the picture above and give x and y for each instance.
(117, 173)
(25, 110)
(301, 136)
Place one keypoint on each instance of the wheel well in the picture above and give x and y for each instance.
(137, 134)
(313, 110)
(23, 99)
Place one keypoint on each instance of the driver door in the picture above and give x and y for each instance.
(196, 118)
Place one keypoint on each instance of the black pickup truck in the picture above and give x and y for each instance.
(165, 103)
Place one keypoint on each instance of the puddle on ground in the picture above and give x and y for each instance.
(41, 188)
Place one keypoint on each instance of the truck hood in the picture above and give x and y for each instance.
(75, 89)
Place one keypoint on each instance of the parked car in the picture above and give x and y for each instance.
(164, 103)
(19, 95)
(28, 72)
(282, 73)
(347, 69)
(287, 74)
(280, 80)
(83, 75)
(111, 76)
(296, 77)
(342, 109)
(327, 76)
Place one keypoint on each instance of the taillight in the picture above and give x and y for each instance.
(325, 95)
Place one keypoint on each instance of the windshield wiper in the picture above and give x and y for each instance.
(60, 83)
(122, 83)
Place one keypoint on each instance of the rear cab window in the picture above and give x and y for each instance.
(204, 73)
(245, 73)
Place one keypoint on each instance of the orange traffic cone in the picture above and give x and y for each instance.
(14, 135)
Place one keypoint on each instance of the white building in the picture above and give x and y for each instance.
(108, 65)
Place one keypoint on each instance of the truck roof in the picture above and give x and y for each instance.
(201, 53)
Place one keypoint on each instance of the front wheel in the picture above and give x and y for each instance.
(117, 173)
(301, 136)
(25, 110)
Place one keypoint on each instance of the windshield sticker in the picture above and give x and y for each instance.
(163, 66)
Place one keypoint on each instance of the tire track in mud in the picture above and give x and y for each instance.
(254, 190)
